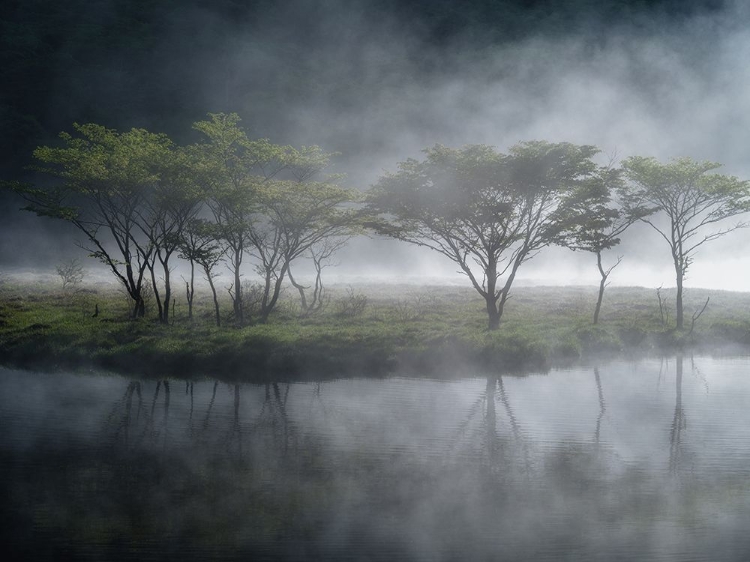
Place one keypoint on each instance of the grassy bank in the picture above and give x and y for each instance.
(422, 329)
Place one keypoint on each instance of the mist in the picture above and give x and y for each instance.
(396, 417)
(378, 83)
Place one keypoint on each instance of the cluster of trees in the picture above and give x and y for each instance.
(490, 212)
(140, 200)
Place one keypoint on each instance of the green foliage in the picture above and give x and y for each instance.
(693, 200)
(488, 212)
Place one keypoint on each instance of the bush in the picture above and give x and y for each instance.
(71, 274)
(353, 304)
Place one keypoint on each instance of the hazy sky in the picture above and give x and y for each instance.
(379, 83)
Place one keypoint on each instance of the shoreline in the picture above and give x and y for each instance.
(435, 332)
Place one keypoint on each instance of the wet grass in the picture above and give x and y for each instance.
(430, 329)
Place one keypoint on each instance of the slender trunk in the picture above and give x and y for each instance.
(160, 308)
(271, 304)
(213, 292)
(167, 290)
(602, 285)
(301, 289)
(238, 310)
(190, 290)
(317, 299)
(505, 293)
(134, 290)
(678, 298)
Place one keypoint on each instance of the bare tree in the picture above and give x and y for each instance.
(71, 273)
(321, 255)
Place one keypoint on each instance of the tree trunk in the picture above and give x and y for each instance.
(301, 289)
(505, 293)
(135, 290)
(191, 290)
(160, 308)
(492, 313)
(237, 300)
(269, 305)
(602, 285)
(189, 301)
(167, 290)
(139, 309)
(213, 291)
(678, 298)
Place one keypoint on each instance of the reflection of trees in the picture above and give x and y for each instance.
(210, 406)
(152, 427)
(602, 406)
(123, 427)
(497, 448)
(234, 438)
(274, 417)
(189, 391)
(136, 420)
(679, 421)
(492, 441)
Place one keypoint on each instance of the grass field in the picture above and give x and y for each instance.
(428, 329)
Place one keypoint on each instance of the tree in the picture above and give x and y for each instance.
(168, 207)
(593, 221)
(488, 212)
(693, 201)
(71, 274)
(198, 245)
(106, 177)
(231, 169)
(321, 255)
(298, 216)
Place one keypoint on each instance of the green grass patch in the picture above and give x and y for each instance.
(427, 329)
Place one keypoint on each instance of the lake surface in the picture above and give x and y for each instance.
(624, 461)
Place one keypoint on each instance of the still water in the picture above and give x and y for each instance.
(622, 461)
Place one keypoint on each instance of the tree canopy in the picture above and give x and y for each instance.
(486, 211)
(694, 202)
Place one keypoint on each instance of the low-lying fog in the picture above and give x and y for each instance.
(378, 91)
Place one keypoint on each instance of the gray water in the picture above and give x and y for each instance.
(624, 461)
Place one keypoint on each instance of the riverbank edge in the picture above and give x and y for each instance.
(264, 359)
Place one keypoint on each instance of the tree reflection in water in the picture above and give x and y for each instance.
(679, 421)
(430, 469)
